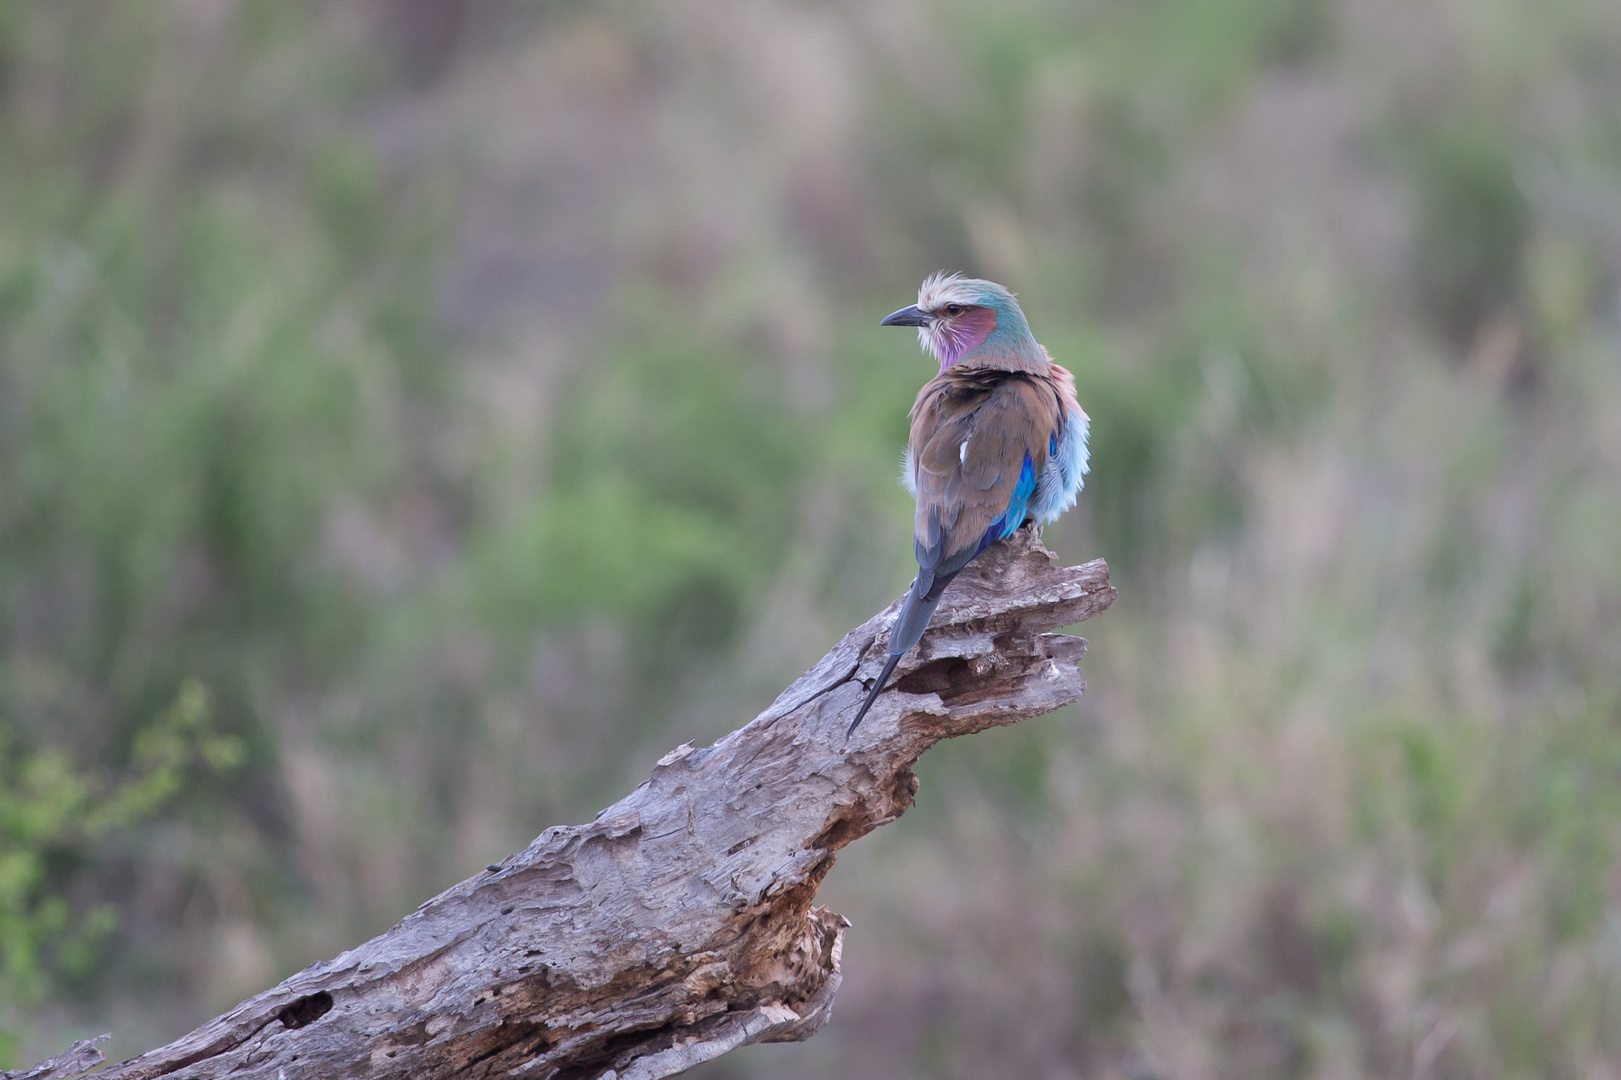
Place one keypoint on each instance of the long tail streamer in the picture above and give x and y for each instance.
(872, 695)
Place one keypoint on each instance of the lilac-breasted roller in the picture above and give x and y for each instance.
(997, 439)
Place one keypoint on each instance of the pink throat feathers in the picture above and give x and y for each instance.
(952, 339)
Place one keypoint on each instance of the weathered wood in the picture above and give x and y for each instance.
(679, 924)
(79, 1058)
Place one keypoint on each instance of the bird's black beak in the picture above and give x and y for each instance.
(906, 316)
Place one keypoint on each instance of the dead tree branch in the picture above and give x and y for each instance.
(679, 924)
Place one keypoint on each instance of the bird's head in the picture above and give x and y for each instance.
(961, 318)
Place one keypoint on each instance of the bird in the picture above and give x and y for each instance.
(998, 438)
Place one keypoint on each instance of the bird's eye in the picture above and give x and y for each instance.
(953, 309)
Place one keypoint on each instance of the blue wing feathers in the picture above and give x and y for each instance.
(1020, 501)
(1017, 507)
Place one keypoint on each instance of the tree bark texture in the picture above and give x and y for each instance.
(680, 923)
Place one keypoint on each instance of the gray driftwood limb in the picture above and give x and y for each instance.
(679, 924)
(79, 1058)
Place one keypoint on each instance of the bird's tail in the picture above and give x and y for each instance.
(872, 695)
(916, 611)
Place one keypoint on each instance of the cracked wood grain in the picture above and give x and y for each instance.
(680, 923)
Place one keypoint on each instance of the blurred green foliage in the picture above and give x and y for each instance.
(54, 818)
(416, 418)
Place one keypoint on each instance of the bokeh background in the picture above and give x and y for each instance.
(417, 416)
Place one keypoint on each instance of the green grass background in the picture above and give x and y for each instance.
(416, 417)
